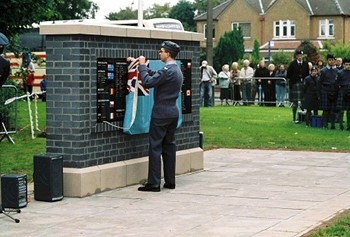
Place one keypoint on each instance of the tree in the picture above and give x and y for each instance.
(19, 16)
(230, 48)
(157, 11)
(75, 9)
(312, 54)
(200, 6)
(184, 12)
(123, 14)
(340, 50)
(281, 58)
(255, 59)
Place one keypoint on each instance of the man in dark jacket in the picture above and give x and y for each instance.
(297, 71)
(4, 63)
(260, 72)
(312, 94)
(343, 99)
(167, 84)
(328, 91)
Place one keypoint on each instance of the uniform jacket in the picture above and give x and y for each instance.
(311, 85)
(328, 78)
(311, 92)
(296, 73)
(167, 83)
(343, 78)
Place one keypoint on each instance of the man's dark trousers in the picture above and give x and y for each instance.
(162, 143)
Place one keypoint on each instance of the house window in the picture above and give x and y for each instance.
(245, 27)
(327, 28)
(206, 31)
(284, 29)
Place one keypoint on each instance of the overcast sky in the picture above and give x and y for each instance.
(107, 6)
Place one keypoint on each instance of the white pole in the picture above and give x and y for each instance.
(30, 116)
(140, 14)
(36, 112)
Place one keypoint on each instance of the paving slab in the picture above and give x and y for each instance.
(248, 193)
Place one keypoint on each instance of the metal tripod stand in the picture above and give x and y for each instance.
(6, 213)
(6, 134)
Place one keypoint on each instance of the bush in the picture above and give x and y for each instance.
(281, 58)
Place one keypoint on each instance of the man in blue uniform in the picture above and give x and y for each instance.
(167, 84)
(329, 90)
(4, 63)
(343, 102)
(311, 94)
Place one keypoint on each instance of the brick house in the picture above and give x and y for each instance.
(282, 23)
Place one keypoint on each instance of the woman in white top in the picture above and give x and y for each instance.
(224, 83)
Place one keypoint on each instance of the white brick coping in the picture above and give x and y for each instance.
(87, 181)
(81, 28)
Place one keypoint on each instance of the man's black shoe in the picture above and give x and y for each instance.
(149, 188)
(169, 186)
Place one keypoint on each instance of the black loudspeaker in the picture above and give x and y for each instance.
(48, 178)
(14, 190)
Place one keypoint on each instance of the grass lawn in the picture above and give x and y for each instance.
(18, 157)
(246, 127)
(266, 128)
(339, 226)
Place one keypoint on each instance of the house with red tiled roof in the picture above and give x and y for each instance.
(281, 24)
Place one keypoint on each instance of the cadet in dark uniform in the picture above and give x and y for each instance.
(329, 90)
(167, 84)
(4, 63)
(343, 102)
(311, 94)
(298, 69)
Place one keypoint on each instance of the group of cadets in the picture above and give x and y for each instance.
(328, 89)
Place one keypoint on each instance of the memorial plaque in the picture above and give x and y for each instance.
(112, 78)
(111, 89)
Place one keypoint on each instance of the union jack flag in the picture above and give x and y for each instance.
(133, 75)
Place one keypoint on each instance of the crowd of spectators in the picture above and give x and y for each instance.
(311, 87)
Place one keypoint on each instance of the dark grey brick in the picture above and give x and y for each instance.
(71, 106)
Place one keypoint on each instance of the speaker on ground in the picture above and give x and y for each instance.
(14, 190)
(48, 178)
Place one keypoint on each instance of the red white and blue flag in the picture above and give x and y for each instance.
(133, 75)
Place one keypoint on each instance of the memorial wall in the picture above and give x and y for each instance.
(88, 81)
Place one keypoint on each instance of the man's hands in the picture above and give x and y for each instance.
(142, 59)
(129, 59)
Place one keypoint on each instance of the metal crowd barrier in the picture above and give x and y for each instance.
(8, 113)
(259, 95)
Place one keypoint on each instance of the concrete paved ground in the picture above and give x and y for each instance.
(260, 193)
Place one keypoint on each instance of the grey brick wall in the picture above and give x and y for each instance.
(72, 130)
